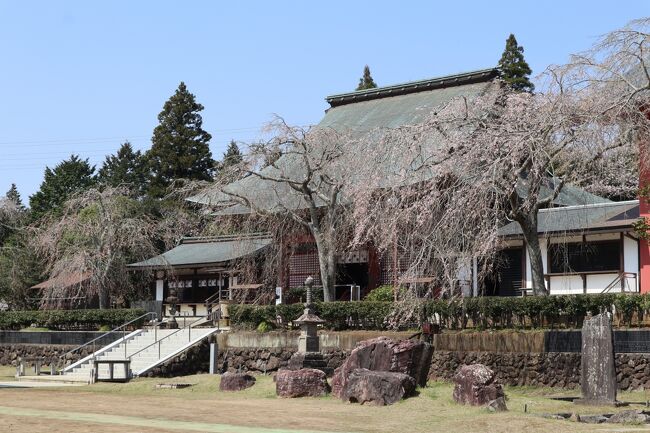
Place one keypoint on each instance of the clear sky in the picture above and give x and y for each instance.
(83, 76)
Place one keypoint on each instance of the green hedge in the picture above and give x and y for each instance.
(534, 311)
(68, 319)
(339, 315)
(482, 312)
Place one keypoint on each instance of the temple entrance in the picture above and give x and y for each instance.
(350, 274)
(506, 280)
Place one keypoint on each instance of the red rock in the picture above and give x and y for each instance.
(411, 357)
(306, 382)
(235, 381)
(475, 385)
(377, 387)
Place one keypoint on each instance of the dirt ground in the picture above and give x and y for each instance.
(138, 407)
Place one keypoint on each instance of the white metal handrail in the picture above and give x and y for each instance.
(121, 328)
(158, 341)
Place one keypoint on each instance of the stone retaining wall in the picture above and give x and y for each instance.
(9, 353)
(555, 369)
(196, 360)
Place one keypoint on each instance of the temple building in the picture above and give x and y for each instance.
(589, 244)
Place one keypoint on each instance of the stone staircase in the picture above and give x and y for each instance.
(145, 348)
(314, 360)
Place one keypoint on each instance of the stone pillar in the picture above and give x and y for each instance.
(597, 369)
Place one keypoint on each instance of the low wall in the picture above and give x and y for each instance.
(10, 353)
(553, 369)
(72, 338)
(266, 352)
(329, 340)
(518, 358)
(542, 341)
(500, 342)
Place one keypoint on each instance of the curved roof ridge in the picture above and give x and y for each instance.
(588, 205)
(481, 75)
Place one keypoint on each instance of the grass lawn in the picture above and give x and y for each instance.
(138, 406)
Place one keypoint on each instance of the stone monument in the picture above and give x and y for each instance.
(308, 341)
(308, 354)
(172, 299)
(597, 369)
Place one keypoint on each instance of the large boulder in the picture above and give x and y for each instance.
(236, 381)
(411, 357)
(475, 385)
(377, 387)
(306, 382)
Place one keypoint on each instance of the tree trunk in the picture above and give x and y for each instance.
(103, 298)
(327, 264)
(529, 228)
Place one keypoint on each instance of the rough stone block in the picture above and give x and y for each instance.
(377, 387)
(236, 381)
(410, 357)
(475, 385)
(306, 382)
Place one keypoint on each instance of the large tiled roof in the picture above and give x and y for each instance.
(584, 218)
(359, 112)
(386, 107)
(198, 252)
(402, 104)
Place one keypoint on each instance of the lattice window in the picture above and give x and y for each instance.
(302, 265)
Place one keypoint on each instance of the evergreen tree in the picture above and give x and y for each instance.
(20, 269)
(514, 69)
(180, 147)
(14, 196)
(12, 215)
(232, 155)
(68, 177)
(366, 82)
(126, 167)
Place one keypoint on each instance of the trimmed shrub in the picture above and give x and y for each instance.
(339, 315)
(381, 294)
(566, 311)
(87, 320)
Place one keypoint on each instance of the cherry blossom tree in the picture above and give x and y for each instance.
(475, 165)
(98, 233)
(297, 179)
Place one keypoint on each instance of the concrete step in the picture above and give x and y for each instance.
(143, 350)
(54, 379)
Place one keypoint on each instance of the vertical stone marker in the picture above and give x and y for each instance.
(598, 371)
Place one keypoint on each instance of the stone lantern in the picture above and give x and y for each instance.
(172, 299)
(308, 341)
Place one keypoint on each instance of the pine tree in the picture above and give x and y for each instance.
(366, 82)
(232, 155)
(180, 147)
(127, 168)
(14, 196)
(514, 69)
(68, 177)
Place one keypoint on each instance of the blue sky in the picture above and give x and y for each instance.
(83, 76)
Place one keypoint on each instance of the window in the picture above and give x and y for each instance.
(585, 257)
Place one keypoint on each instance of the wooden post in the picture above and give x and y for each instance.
(644, 211)
(621, 272)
